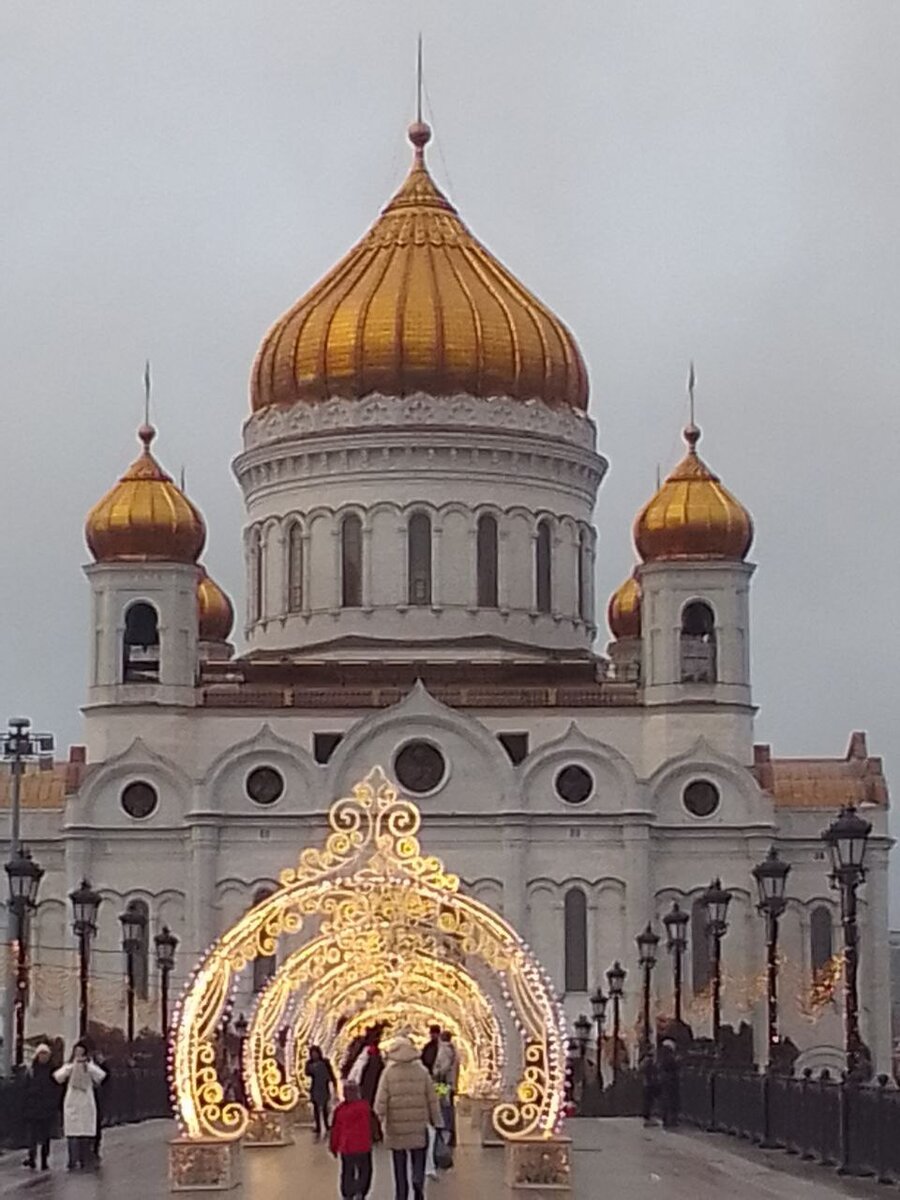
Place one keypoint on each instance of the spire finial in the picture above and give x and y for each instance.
(182, 478)
(146, 433)
(419, 131)
(692, 433)
(692, 379)
(658, 476)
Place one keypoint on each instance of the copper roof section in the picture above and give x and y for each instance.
(823, 782)
(48, 788)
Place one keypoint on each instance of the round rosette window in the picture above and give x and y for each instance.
(420, 767)
(139, 799)
(574, 784)
(265, 785)
(701, 798)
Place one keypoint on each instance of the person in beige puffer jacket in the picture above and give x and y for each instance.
(406, 1104)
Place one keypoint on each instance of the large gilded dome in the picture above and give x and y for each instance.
(693, 515)
(419, 305)
(145, 517)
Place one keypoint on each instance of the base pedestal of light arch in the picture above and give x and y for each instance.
(301, 1115)
(268, 1128)
(490, 1138)
(539, 1164)
(204, 1164)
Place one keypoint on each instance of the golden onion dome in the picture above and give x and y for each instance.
(693, 515)
(419, 305)
(623, 613)
(145, 517)
(214, 610)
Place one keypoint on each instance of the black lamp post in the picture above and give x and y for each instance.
(847, 838)
(85, 905)
(134, 925)
(771, 880)
(24, 880)
(715, 901)
(676, 923)
(166, 944)
(598, 1008)
(647, 943)
(615, 978)
(582, 1035)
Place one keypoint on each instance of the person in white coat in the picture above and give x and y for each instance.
(79, 1106)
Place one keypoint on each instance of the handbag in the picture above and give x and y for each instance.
(443, 1155)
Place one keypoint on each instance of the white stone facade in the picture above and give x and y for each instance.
(318, 666)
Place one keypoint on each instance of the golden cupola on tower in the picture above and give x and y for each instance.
(215, 612)
(693, 516)
(419, 305)
(623, 614)
(145, 517)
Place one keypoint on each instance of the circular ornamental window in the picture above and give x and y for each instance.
(419, 767)
(574, 784)
(701, 798)
(265, 785)
(139, 799)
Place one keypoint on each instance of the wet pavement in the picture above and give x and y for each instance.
(613, 1160)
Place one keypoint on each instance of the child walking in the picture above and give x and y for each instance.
(351, 1139)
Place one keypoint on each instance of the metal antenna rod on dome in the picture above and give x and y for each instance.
(692, 379)
(147, 392)
(419, 82)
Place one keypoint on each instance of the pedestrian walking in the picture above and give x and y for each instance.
(431, 1047)
(351, 1141)
(669, 1083)
(79, 1106)
(650, 1079)
(446, 1074)
(406, 1106)
(321, 1084)
(40, 1107)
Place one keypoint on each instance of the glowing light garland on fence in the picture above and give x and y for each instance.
(370, 876)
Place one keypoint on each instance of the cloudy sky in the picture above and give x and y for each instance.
(702, 179)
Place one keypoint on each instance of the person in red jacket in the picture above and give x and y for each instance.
(351, 1139)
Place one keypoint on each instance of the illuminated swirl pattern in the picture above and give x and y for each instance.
(384, 925)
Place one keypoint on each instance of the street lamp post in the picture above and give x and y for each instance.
(24, 880)
(715, 901)
(134, 925)
(847, 838)
(598, 1007)
(615, 978)
(18, 747)
(676, 923)
(582, 1037)
(166, 944)
(85, 905)
(647, 943)
(771, 881)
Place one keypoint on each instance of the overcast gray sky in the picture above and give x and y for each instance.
(700, 178)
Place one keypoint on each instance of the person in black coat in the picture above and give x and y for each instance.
(40, 1109)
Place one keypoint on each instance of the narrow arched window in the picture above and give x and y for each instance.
(141, 957)
(295, 568)
(821, 939)
(486, 565)
(140, 644)
(265, 966)
(351, 561)
(543, 568)
(584, 577)
(418, 558)
(576, 940)
(698, 643)
(257, 576)
(701, 966)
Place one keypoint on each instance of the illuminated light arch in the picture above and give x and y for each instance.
(369, 877)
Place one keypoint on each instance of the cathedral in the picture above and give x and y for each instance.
(420, 472)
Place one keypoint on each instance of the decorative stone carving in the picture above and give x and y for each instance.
(204, 1165)
(539, 1164)
(268, 1128)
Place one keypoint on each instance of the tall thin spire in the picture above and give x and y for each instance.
(147, 392)
(692, 379)
(419, 131)
(419, 82)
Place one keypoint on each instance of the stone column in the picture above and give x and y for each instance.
(875, 959)
(203, 910)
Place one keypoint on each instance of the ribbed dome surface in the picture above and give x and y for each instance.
(419, 305)
(693, 515)
(214, 610)
(145, 517)
(623, 613)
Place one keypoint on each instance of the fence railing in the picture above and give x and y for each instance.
(131, 1094)
(837, 1123)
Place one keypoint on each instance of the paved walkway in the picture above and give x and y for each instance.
(614, 1160)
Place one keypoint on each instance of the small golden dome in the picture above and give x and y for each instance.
(623, 613)
(693, 515)
(145, 517)
(215, 610)
(419, 305)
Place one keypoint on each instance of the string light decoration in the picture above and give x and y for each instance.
(369, 876)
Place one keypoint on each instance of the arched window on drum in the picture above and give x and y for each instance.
(821, 939)
(418, 554)
(699, 662)
(575, 912)
(295, 568)
(351, 561)
(543, 568)
(487, 564)
(140, 644)
(701, 965)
